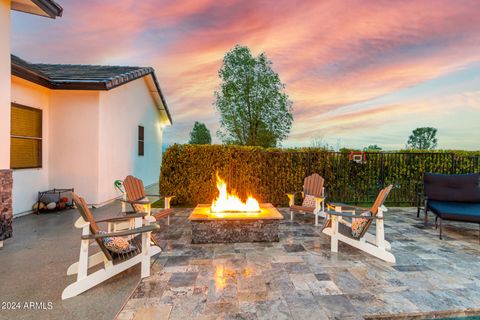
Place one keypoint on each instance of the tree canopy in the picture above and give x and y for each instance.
(423, 138)
(254, 109)
(372, 148)
(200, 134)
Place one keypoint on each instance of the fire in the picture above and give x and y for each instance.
(229, 202)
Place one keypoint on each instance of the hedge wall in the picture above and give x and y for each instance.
(188, 171)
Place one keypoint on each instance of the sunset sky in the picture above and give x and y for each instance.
(358, 72)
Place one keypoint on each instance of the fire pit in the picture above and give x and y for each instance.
(228, 219)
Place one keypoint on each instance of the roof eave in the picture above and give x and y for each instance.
(31, 76)
(52, 9)
(24, 70)
(164, 102)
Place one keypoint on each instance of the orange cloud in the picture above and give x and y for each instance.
(332, 55)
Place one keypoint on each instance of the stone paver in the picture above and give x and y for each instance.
(299, 278)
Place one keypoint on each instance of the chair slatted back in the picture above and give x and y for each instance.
(382, 196)
(313, 185)
(82, 207)
(134, 188)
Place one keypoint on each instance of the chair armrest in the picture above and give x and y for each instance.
(345, 208)
(160, 196)
(349, 215)
(154, 195)
(291, 198)
(149, 228)
(124, 218)
(138, 201)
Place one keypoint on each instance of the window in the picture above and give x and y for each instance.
(25, 137)
(141, 141)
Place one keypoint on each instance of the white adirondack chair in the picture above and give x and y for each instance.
(339, 228)
(112, 263)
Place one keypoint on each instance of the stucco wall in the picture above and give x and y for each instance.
(122, 110)
(73, 152)
(27, 182)
(4, 84)
(90, 139)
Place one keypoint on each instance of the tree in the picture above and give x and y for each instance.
(200, 134)
(423, 138)
(318, 142)
(372, 148)
(254, 109)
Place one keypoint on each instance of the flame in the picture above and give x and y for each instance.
(229, 202)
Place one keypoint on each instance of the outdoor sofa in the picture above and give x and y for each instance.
(454, 197)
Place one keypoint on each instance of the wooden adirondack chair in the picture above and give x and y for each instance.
(140, 202)
(340, 229)
(113, 263)
(312, 186)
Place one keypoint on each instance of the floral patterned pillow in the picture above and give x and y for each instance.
(309, 201)
(358, 224)
(117, 244)
(140, 207)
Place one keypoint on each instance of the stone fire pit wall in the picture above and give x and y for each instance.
(228, 231)
(6, 213)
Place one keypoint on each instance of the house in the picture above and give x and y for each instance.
(46, 8)
(83, 126)
(73, 126)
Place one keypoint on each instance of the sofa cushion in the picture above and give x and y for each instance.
(460, 211)
(452, 187)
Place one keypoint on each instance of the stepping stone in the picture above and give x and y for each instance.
(160, 312)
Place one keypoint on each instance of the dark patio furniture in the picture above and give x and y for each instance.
(454, 197)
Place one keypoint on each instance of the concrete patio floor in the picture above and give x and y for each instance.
(299, 278)
(34, 266)
(296, 278)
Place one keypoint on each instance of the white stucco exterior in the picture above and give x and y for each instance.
(27, 182)
(74, 157)
(90, 139)
(122, 110)
(4, 84)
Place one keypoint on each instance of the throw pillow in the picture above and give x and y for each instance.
(359, 224)
(140, 207)
(309, 201)
(117, 244)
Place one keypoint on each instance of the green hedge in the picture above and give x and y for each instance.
(188, 171)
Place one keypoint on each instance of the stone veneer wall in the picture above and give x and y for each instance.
(6, 212)
(233, 231)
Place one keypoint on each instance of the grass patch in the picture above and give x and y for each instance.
(161, 204)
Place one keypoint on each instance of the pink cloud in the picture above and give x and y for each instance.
(330, 54)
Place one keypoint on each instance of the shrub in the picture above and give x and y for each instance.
(188, 172)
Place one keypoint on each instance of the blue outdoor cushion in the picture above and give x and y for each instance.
(459, 211)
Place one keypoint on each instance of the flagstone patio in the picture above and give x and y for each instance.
(299, 278)
(296, 278)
